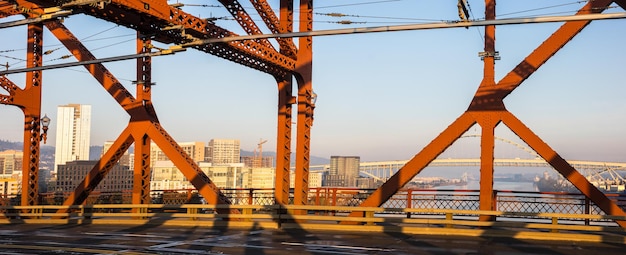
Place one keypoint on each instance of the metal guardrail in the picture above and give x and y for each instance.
(509, 201)
(560, 226)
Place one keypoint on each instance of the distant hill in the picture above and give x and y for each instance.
(6, 145)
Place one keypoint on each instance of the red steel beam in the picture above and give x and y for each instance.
(142, 173)
(169, 24)
(539, 56)
(245, 21)
(283, 142)
(101, 169)
(8, 9)
(564, 168)
(420, 161)
(275, 25)
(285, 102)
(303, 76)
(487, 109)
(142, 123)
(485, 118)
(29, 100)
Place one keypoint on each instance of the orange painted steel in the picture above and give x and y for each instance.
(277, 25)
(29, 101)
(142, 173)
(245, 21)
(143, 124)
(169, 24)
(484, 117)
(303, 76)
(488, 110)
(285, 98)
(283, 142)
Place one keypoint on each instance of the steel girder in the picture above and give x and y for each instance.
(169, 24)
(488, 110)
(285, 101)
(245, 21)
(303, 75)
(29, 101)
(287, 47)
(142, 173)
(151, 19)
(143, 125)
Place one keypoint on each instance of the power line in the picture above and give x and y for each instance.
(364, 3)
(178, 48)
(439, 25)
(542, 8)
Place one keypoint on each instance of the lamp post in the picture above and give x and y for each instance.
(45, 122)
(313, 98)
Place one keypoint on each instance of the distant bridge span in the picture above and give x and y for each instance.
(382, 170)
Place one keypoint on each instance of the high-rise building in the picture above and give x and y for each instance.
(344, 171)
(10, 162)
(223, 151)
(73, 126)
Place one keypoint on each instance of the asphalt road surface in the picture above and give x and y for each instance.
(120, 239)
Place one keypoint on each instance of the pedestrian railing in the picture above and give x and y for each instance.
(377, 219)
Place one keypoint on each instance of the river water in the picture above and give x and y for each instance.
(498, 185)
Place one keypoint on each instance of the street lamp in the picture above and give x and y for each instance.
(313, 97)
(45, 122)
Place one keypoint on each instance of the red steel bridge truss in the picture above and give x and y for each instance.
(156, 20)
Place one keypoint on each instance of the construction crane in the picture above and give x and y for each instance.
(259, 160)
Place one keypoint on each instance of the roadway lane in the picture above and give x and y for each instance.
(120, 239)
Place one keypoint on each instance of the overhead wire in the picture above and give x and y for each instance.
(543, 8)
(481, 35)
(355, 4)
(343, 22)
(85, 39)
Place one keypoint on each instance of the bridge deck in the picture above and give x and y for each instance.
(155, 239)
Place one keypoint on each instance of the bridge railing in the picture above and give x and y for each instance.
(510, 201)
(546, 226)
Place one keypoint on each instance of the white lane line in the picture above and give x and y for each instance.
(122, 234)
(338, 247)
(160, 246)
(184, 251)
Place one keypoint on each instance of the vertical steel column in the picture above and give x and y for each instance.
(486, 118)
(305, 105)
(142, 174)
(487, 124)
(30, 102)
(283, 142)
(285, 102)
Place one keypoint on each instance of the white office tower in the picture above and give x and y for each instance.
(73, 126)
(223, 151)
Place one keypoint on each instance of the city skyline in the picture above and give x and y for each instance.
(387, 105)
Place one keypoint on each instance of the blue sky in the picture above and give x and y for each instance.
(381, 96)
